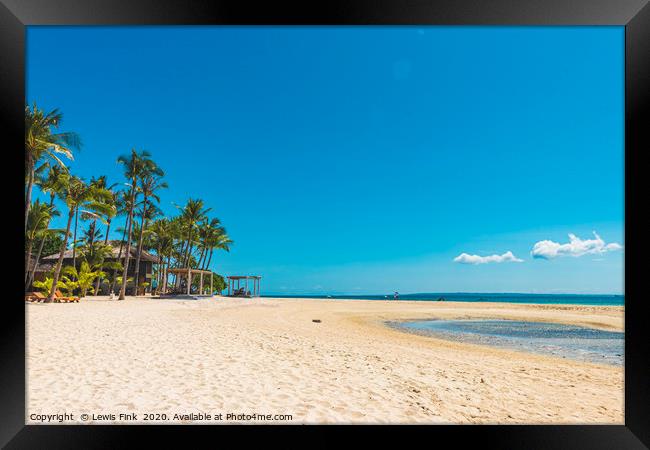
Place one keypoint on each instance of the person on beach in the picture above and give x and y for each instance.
(396, 296)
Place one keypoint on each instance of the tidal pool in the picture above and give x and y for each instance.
(566, 341)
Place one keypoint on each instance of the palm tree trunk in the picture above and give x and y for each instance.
(139, 251)
(210, 258)
(57, 269)
(74, 240)
(161, 266)
(200, 264)
(92, 235)
(108, 230)
(32, 272)
(128, 244)
(28, 257)
(158, 268)
(177, 262)
(92, 229)
(189, 255)
(119, 256)
(99, 279)
(169, 260)
(28, 196)
(182, 250)
(189, 249)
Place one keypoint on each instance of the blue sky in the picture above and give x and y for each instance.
(364, 160)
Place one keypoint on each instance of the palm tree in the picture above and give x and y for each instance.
(177, 233)
(206, 228)
(41, 142)
(101, 183)
(150, 183)
(135, 166)
(193, 213)
(70, 194)
(208, 231)
(76, 194)
(91, 248)
(122, 203)
(92, 232)
(163, 240)
(52, 184)
(220, 241)
(74, 239)
(37, 227)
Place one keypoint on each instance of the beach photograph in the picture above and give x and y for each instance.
(324, 225)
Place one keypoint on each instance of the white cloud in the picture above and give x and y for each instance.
(464, 258)
(575, 247)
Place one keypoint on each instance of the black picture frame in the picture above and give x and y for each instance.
(634, 15)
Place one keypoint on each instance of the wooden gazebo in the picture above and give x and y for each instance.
(238, 285)
(188, 272)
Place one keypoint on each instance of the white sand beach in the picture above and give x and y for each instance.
(267, 356)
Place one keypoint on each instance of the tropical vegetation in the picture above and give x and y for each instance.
(96, 208)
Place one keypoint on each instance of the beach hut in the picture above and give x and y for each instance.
(188, 274)
(238, 285)
(147, 260)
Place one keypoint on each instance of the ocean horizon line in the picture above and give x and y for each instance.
(494, 297)
(277, 294)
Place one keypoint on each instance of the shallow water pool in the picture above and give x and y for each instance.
(566, 341)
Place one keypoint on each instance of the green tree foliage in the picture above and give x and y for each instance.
(82, 278)
(188, 239)
(41, 142)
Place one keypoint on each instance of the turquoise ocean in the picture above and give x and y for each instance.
(544, 299)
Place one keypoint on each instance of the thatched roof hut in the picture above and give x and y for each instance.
(147, 260)
(115, 247)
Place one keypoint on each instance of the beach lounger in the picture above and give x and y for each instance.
(34, 297)
(59, 297)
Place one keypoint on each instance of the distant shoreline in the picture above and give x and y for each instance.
(535, 299)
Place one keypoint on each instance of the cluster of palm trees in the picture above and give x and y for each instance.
(188, 239)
